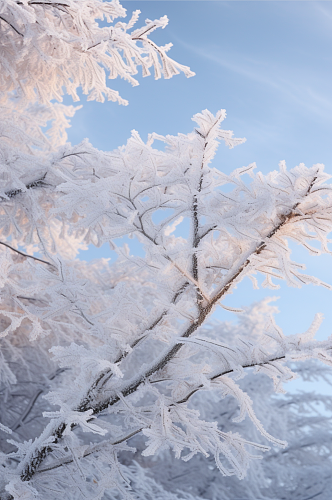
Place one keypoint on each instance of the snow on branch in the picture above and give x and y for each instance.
(133, 336)
(49, 47)
(105, 364)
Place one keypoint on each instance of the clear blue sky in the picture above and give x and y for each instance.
(269, 64)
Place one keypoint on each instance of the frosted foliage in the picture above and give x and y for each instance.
(113, 375)
(136, 379)
(51, 47)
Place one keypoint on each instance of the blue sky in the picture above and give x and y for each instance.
(269, 64)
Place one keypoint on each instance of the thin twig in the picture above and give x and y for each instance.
(31, 185)
(12, 26)
(90, 451)
(33, 400)
(25, 255)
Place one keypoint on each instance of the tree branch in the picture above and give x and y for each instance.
(98, 446)
(91, 450)
(204, 313)
(30, 468)
(85, 404)
(33, 400)
(25, 255)
(31, 185)
(11, 25)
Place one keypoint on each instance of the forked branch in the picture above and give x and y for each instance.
(30, 468)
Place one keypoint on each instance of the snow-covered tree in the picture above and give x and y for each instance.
(300, 471)
(48, 48)
(105, 365)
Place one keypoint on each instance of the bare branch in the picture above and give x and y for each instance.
(25, 255)
(11, 25)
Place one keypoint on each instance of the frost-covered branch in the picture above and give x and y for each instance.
(268, 363)
(51, 46)
(139, 354)
(117, 197)
(24, 254)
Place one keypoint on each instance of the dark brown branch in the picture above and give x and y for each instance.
(12, 26)
(144, 32)
(107, 374)
(56, 5)
(212, 228)
(75, 154)
(196, 225)
(226, 372)
(69, 460)
(51, 4)
(31, 185)
(25, 255)
(27, 410)
(33, 400)
(32, 299)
